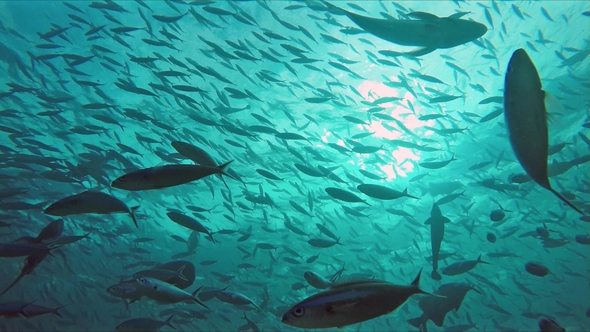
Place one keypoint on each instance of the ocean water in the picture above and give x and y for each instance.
(327, 118)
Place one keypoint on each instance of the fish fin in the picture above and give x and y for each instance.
(435, 275)
(56, 311)
(458, 15)
(418, 321)
(423, 16)
(21, 310)
(428, 221)
(180, 273)
(416, 281)
(420, 51)
(480, 261)
(563, 199)
(554, 108)
(132, 214)
(197, 299)
(168, 322)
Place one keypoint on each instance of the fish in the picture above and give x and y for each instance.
(144, 324)
(462, 267)
(526, 120)
(350, 303)
(166, 176)
(162, 291)
(536, 269)
(437, 231)
(428, 31)
(90, 201)
(549, 325)
(435, 308)
(383, 193)
(343, 195)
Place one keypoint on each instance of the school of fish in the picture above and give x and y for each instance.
(275, 166)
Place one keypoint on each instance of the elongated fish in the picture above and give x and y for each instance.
(429, 31)
(437, 231)
(350, 303)
(526, 119)
(90, 201)
(165, 176)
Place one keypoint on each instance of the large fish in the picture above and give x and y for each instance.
(428, 31)
(165, 176)
(436, 308)
(90, 201)
(437, 231)
(526, 119)
(350, 303)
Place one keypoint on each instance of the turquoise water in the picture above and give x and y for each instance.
(92, 91)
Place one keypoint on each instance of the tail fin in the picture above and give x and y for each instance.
(132, 214)
(196, 299)
(563, 199)
(480, 261)
(417, 322)
(435, 275)
(168, 322)
(221, 169)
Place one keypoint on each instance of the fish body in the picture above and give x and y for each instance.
(462, 267)
(428, 32)
(526, 119)
(437, 231)
(350, 303)
(316, 281)
(235, 298)
(164, 292)
(165, 176)
(144, 325)
(381, 192)
(537, 269)
(90, 201)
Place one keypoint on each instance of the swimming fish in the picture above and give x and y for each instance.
(90, 201)
(350, 303)
(428, 31)
(526, 119)
(166, 176)
(437, 231)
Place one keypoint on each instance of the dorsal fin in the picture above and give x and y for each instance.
(423, 16)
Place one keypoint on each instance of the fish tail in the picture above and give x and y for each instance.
(222, 168)
(56, 311)
(435, 275)
(132, 214)
(21, 310)
(417, 322)
(563, 199)
(480, 261)
(197, 299)
(168, 322)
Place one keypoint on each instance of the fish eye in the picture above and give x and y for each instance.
(509, 70)
(123, 178)
(141, 280)
(298, 312)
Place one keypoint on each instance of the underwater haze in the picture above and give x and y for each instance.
(287, 165)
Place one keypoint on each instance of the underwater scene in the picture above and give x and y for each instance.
(264, 165)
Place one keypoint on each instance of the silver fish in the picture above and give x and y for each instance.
(350, 303)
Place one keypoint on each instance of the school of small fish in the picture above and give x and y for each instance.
(275, 166)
